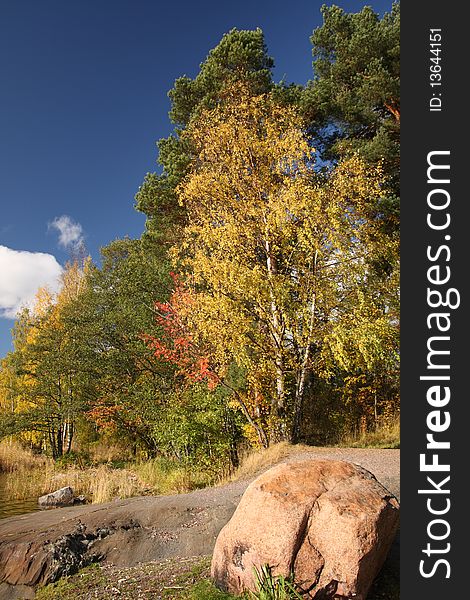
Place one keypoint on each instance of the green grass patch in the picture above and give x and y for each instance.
(195, 584)
(182, 579)
(204, 590)
(166, 476)
(76, 586)
(271, 587)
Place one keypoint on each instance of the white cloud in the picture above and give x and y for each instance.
(70, 232)
(21, 274)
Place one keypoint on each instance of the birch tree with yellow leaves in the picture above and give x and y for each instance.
(271, 251)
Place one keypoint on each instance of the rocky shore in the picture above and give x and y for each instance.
(39, 548)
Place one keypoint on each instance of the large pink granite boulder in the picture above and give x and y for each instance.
(331, 523)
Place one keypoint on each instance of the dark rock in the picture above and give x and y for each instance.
(39, 548)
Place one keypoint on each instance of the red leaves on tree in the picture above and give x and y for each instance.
(104, 416)
(176, 345)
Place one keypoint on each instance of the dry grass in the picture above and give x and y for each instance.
(386, 435)
(108, 452)
(30, 476)
(100, 484)
(168, 477)
(25, 471)
(256, 461)
(14, 457)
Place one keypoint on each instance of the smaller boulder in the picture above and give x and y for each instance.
(62, 497)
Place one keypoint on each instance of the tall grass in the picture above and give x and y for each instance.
(165, 476)
(30, 476)
(100, 484)
(385, 435)
(24, 470)
(255, 461)
(109, 451)
(14, 457)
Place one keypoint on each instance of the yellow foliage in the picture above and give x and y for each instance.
(271, 247)
(40, 336)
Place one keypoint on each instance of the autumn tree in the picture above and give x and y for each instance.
(12, 404)
(105, 322)
(241, 56)
(271, 250)
(50, 392)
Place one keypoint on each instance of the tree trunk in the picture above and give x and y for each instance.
(52, 441)
(278, 336)
(70, 432)
(231, 433)
(393, 109)
(59, 441)
(304, 368)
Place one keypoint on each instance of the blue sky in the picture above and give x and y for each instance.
(83, 98)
